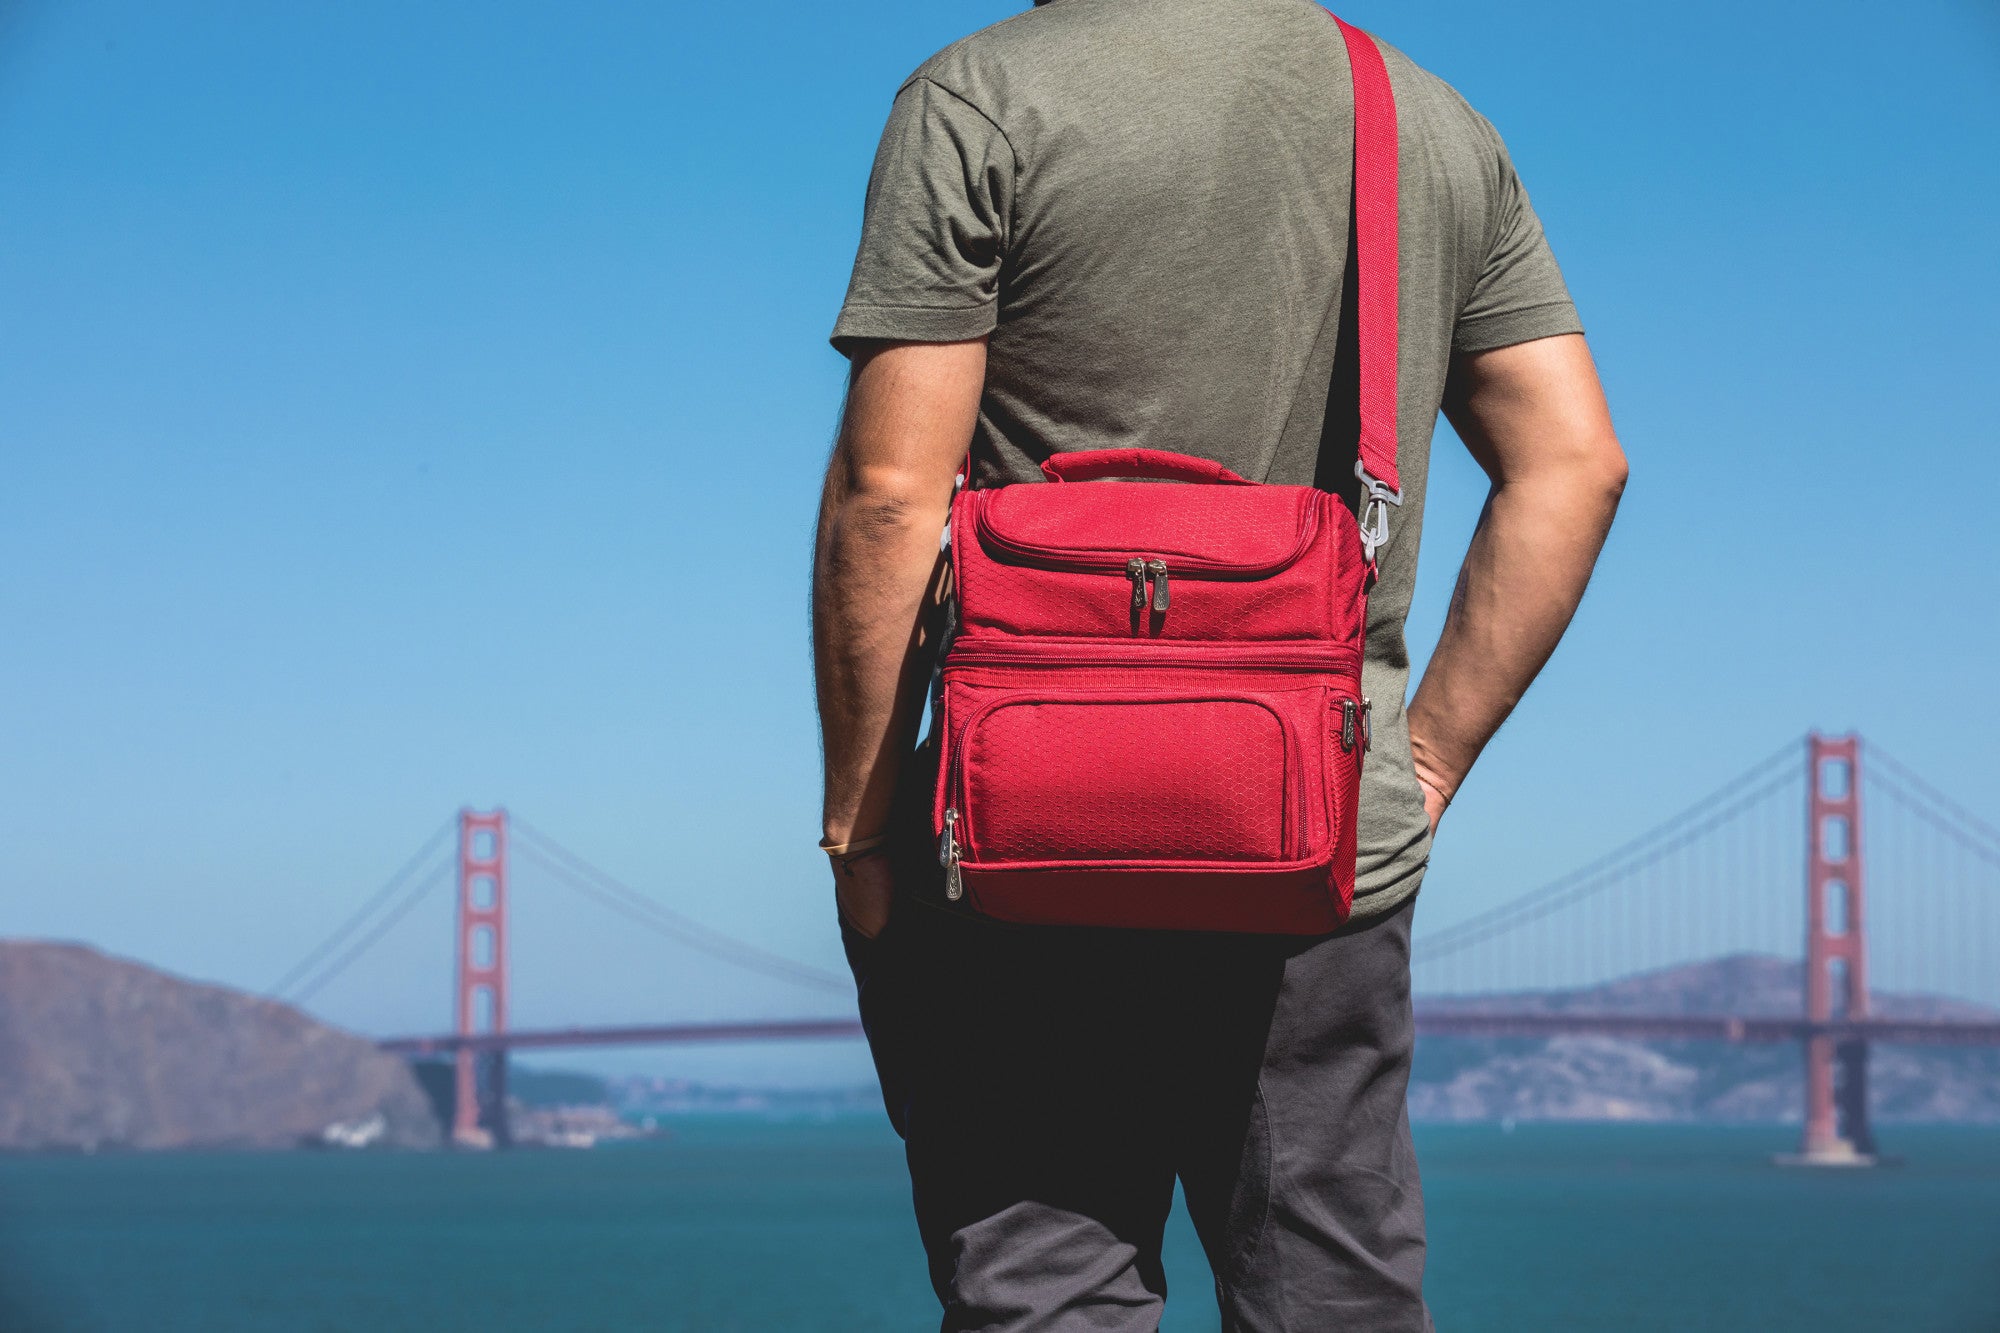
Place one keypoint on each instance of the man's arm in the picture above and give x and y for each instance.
(1534, 417)
(908, 421)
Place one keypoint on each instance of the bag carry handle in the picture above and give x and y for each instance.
(1097, 464)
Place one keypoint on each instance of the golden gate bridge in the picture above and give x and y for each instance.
(1778, 861)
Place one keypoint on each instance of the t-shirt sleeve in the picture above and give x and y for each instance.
(1519, 294)
(934, 231)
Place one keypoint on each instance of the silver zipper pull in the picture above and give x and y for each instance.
(1135, 570)
(1158, 569)
(1367, 726)
(947, 840)
(1347, 724)
(954, 887)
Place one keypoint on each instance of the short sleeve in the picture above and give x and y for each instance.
(934, 232)
(1519, 294)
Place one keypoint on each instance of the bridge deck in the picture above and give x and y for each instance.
(1431, 1023)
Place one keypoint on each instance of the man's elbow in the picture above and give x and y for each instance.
(1607, 470)
(884, 502)
(1589, 468)
(1585, 472)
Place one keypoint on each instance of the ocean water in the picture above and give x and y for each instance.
(741, 1225)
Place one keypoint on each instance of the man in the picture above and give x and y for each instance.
(1126, 222)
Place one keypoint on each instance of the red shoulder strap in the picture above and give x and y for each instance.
(1375, 258)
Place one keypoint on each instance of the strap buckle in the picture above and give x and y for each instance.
(1375, 501)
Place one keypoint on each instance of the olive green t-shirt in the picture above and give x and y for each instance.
(1145, 205)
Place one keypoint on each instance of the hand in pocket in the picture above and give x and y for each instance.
(865, 888)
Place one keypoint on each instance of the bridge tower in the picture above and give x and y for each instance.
(1836, 1128)
(480, 1122)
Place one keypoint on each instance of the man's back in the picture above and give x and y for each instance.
(1125, 223)
(1144, 204)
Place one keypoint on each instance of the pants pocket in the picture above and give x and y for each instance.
(883, 1016)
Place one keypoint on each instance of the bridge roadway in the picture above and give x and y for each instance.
(1446, 1022)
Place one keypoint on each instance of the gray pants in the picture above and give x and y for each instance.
(1051, 1086)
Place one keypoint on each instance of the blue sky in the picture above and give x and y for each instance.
(404, 407)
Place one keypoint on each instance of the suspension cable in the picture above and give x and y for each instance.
(438, 872)
(1669, 835)
(1901, 773)
(583, 877)
(375, 900)
(1915, 805)
(1575, 888)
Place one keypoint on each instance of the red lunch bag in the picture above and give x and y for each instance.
(1150, 704)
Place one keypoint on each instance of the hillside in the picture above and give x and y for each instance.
(101, 1053)
(1602, 1078)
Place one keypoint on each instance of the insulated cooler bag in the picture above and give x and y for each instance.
(1150, 703)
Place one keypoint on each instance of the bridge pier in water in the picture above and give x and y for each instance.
(479, 1105)
(1837, 1132)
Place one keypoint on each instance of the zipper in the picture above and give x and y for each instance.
(1121, 653)
(954, 884)
(1139, 570)
(1347, 711)
(1104, 562)
(1135, 570)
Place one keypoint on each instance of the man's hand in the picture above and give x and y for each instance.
(908, 422)
(865, 890)
(1534, 417)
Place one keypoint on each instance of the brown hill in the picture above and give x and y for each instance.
(98, 1052)
(1747, 984)
(1606, 1078)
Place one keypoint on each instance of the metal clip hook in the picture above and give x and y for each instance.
(1376, 499)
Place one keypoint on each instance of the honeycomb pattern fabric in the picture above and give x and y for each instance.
(1017, 601)
(1195, 780)
(1169, 766)
(1318, 596)
(1236, 524)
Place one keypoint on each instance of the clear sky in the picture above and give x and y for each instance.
(411, 406)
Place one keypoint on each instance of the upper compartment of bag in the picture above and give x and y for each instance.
(1239, 531)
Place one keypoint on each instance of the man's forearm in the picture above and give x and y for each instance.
(875, 568)
(908, 419)
(1535, 419)
(1522, 580)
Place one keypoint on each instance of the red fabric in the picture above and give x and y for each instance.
(1093, 464)
(1176, 775)
(1111, 763)
(1244, 563)
(1143, 701)
(1375, 256)
(1249, 526)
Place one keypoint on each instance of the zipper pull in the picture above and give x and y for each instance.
(1158, 569)
(1367, 726)
(1135, 570)
(954, 887)
(1347, 724)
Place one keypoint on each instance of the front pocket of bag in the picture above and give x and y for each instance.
(1168, 778)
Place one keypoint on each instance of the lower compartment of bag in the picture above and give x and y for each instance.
(1161, 776)
(1149, 795)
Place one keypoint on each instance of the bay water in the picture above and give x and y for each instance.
(740, 1224)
